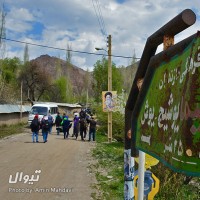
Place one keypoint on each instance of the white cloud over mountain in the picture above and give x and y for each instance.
(64, 22)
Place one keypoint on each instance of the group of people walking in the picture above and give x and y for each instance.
(81, 124)
(45, 125)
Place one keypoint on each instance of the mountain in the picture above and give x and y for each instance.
(57, 67)
(80, 79)
(128, 75)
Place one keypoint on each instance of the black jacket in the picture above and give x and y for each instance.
(35, 125)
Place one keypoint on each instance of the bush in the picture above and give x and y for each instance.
(117, 123)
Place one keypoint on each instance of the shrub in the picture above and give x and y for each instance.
(117, 123)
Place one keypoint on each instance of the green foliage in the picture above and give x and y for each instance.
(117, 123)
(9, 87)
(100, 78)
(9, 67)
(108, 169)
(60, 91)
(61, 85)
(172, 185)
(110, 175)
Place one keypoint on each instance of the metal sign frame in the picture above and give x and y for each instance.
(166, 121)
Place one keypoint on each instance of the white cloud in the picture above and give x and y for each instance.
(21, 14)
(75, 23)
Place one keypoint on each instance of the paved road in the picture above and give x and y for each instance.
(54, 170)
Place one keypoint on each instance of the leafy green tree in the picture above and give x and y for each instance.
(9, 90)
(100, 78)
(62, 90)
(9, 68)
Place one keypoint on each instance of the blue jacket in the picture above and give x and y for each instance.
(65, 123)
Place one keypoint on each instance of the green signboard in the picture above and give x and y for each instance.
(167, 124)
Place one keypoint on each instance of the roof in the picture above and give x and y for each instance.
(45, 105)
(60, 104)
(10, 108)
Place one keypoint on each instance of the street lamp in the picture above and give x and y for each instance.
(98, 49)
(109, 86)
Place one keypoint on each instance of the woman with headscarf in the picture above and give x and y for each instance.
(35, 126)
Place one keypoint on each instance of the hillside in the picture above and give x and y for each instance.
(57, 67)
(128, 75)
(79, 77)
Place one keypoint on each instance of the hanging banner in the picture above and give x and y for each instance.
(167, 122)
(109, 99)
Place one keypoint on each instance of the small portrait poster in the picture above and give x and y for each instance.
(109, 99)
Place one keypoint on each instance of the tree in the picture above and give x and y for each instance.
(26, 54)
(36, 80)
(2, 31)
(68, 54)
(100, 78)
(58, 69)
(87, 82)
(133, 58)
(9, 68)
(9, 90)
(62, 90)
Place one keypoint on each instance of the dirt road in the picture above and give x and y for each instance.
(54, 170)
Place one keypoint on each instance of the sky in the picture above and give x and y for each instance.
(82, 25)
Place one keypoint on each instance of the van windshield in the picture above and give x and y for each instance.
(39, 110)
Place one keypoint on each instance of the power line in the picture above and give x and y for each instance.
(99, 16)
(56, 48)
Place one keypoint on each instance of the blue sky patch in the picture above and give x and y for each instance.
(37, 29)
(120, 1)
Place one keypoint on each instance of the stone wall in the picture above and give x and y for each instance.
(13, 118)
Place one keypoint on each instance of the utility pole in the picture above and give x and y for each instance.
(109, 85)
(109, 88)
(21, 101)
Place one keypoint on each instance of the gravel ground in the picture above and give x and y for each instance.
(54, 170)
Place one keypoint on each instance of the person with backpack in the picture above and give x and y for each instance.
(82, 114)
(58, 123)
(83, 128)
(35, 126)
(45, 128)
(66, 124)
(50, 119)
(92, 130)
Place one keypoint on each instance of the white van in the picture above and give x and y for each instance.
(41, 110)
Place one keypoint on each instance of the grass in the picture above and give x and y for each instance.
(110, 175)
(109, 169)
(7, 130)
